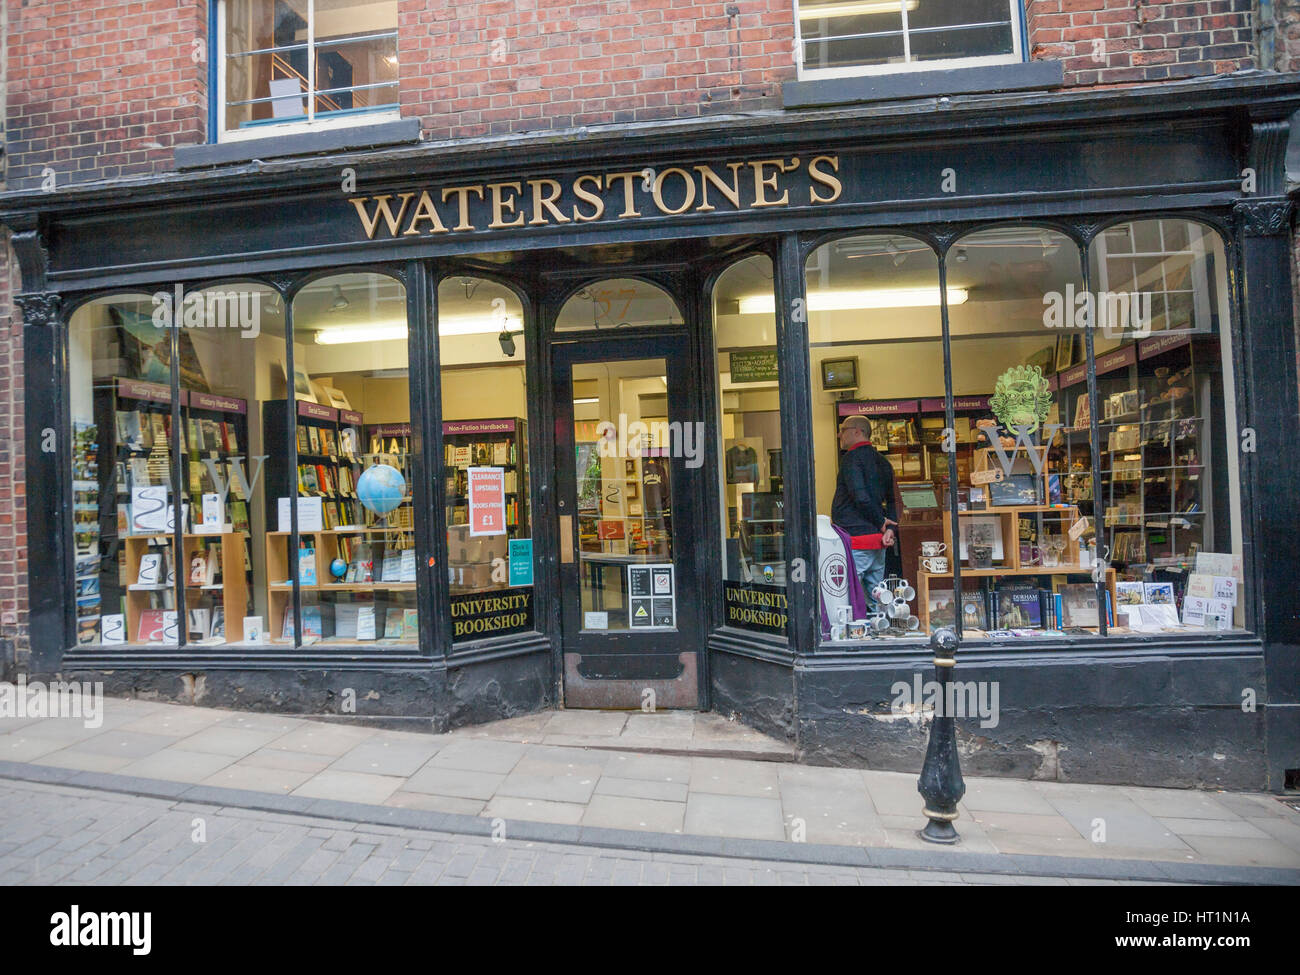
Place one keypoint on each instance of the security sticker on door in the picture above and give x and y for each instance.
(652, 597)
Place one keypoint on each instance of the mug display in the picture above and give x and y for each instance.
(936, 564)
(933, 548)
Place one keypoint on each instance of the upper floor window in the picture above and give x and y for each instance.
(305, 62)
(847, 37)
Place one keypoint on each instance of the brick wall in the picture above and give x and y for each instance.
(13, 487)
(102, 88)
(1104, 42)
(507, 66)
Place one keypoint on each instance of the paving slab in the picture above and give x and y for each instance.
(381, 755)
(178, 765)
(747, 817)
(121, 742)
(222, 739)
(258, 778)
(479, 755)
(589, 723)
(733, 777)
(74, 758)
(293, 761)
(609, 785)
(319, 738)
(624, 812)
(458, 782)
(534, 811)
(21, 747)
(349, 786)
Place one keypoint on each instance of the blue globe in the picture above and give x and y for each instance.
(338, 568)
(381, 488)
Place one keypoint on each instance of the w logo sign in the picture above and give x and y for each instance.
(1036, 458)
(237, 475)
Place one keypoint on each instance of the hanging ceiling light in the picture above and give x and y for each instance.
(339, 302)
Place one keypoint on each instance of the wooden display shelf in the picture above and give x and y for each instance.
(233, 586)
(1010, 516)
(279, 595)
(923, 584)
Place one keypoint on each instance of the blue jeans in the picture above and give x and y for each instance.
(870, 564)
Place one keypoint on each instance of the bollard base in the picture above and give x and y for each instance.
(940, 831)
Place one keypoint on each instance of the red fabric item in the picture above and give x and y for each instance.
(868, 542)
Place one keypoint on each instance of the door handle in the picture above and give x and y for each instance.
(566, 539)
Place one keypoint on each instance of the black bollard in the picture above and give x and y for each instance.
(941, 783)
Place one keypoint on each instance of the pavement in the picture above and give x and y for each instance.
(668, 784)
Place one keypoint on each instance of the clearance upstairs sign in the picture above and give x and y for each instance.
(752, 184)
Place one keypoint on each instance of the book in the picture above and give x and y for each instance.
(365, 622)
(1079, 606)
(1130, 593)
(1019, 607)
(391, 569)
(150, 572)
(345, 620)
(393, 624)
(1158, 593)
(307, 566)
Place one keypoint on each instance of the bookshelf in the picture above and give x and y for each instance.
(499, 442)
(373, 555)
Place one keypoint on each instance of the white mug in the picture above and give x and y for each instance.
(843, 614)
(881, 594)
(937, 564)
(899, 609)
(933, 548)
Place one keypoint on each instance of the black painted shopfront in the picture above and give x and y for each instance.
(649, 417)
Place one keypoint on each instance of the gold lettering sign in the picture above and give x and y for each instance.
(674, 191)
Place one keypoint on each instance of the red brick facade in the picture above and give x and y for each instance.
(102, 89)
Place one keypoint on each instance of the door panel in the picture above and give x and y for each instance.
(628, 475)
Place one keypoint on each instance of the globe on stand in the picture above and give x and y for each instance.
(338, 569)
(381, 488)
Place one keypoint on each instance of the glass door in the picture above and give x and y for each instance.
(629, 455)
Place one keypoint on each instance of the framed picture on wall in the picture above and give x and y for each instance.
(1064, 351)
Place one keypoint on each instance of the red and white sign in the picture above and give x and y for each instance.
(487, 501)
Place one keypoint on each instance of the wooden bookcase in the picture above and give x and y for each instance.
(233, 588)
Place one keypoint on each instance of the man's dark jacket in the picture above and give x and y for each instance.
(864, 492)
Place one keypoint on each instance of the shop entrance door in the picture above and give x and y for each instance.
(629, 465)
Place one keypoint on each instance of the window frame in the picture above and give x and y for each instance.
(311, 123)
(1015, 9)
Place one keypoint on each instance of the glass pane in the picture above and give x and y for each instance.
(356, 50)
(266, 61)
(959, 29)
(1171, 497)
(618, 303)
(876, 351)
(624, 490)
(485, 458)
(119, 365)
(839, 33)
(232, 339)
(751, 479)
(356, 465)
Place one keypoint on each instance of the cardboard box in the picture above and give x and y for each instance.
(463, 547)
(473, 575)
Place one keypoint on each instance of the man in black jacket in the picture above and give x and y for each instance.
(864, 500)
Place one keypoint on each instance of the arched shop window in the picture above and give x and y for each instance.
(1169, 511)
(142, 579)
(876, 351)
(751, 474)
(1024, 448)
(354, 560)
(484, 472)
(618, 303)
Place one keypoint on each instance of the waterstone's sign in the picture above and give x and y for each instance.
(630, 194)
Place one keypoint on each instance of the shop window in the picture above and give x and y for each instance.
(845, 37)
(751, 474)
(876, 350)
(1170, 506)
(485, 485)
(1026, 530)
(306, 62)
(618, 303)
(355, 466)
(138, 578)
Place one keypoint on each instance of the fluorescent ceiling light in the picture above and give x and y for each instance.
(854, 8)
(855, 300)
(382, 331)
(350, 334)
(586, 400)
